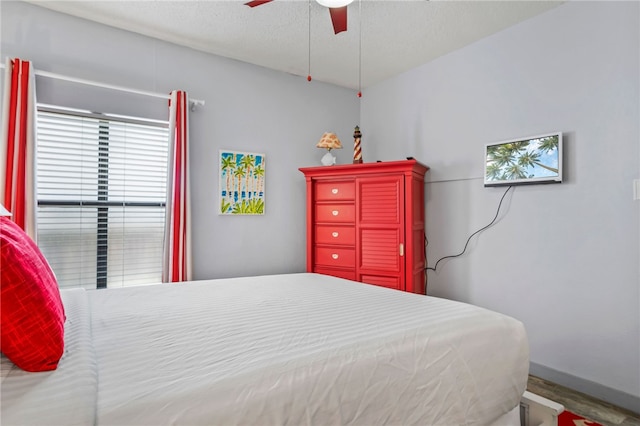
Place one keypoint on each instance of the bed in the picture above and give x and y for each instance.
(290, 349)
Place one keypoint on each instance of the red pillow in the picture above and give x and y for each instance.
(32, 328)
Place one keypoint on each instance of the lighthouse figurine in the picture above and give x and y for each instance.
(357, 151)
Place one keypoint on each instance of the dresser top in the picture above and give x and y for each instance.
(402, 166)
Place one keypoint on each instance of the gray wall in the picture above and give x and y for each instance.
(561, 258)
(248, 108)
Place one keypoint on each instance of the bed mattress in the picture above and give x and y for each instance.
(274, 350)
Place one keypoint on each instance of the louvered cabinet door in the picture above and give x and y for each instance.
(380, 231)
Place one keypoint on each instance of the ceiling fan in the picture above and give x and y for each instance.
(337, 10)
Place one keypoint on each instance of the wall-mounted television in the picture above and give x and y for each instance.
(524, 161)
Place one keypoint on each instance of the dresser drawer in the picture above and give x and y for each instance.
(333, 234)
(335, 256)
(348, 274)
(335, 213)
(335, 190)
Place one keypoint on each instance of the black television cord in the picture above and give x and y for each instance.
(469, 239)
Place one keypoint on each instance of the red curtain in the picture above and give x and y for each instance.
(177, 238)
(17, 148)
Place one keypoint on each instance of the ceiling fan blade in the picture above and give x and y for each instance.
(255, 3)
(339, 18)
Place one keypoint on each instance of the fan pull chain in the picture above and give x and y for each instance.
(360, 51)
(309, 48)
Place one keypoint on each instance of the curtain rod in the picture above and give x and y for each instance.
(105, 86)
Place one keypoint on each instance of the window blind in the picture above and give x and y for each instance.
(101, 189)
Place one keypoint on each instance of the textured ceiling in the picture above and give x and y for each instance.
(394, 35)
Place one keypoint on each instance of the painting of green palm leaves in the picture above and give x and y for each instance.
(531, 160)
(241, 183)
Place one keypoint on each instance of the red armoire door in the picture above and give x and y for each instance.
(380, 230)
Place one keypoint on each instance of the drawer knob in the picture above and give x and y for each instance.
(334, 191)
(335, 234)
(334, 255)
(335, 212)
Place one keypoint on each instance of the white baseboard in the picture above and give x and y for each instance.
(536, 410)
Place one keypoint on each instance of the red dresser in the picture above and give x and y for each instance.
(365, 222)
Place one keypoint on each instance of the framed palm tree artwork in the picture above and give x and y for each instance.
(524, 161)
(242, 179)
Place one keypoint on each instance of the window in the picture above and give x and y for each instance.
(101, 188)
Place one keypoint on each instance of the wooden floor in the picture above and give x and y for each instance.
(583, 405)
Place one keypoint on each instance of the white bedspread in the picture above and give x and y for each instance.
(65, 396)
(296, 349)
